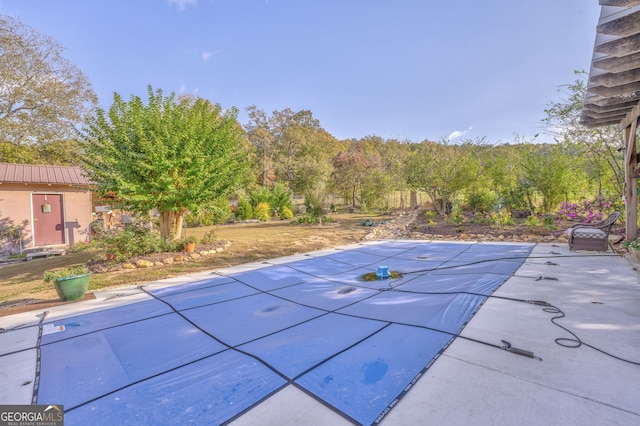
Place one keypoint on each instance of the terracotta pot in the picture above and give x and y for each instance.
(189, 247)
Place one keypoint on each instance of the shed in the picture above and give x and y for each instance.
(50, 204)
(613, 88)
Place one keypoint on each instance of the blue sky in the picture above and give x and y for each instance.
(403, 69)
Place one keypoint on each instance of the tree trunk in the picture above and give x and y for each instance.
(166, 224)
(413, 203)
(171, 224)
(353, 197)
(179, 221)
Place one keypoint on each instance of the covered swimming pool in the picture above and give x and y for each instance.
(207, 351)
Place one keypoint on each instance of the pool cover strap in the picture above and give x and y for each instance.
(36, 380)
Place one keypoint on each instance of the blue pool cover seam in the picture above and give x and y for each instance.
(36, 380)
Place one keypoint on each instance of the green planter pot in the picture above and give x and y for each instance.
(72, 288)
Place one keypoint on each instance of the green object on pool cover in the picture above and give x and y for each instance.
(206, 352)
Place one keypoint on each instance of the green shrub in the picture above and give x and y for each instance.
(262, 212)
(220, 212)
(313, 204)
(501, 218)
(280, 197)
(215, 214)
(311, 220)
(56, 274)
(286, 213)
(457, 217)
(482, 201)
(478, 220)
(304, 220)
(189, 239)
(191, 220)
(244, 210)
(133, 240)
(260, 195)
(549, 222)
(532, 221)
(208, 237)
(430, 215)
(519, 197)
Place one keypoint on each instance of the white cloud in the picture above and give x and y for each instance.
(458, 133)
(206, 56)
(182, 4)
(185, 90)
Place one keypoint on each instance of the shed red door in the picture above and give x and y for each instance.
(48, 220)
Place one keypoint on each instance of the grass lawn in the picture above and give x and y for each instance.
(22, 282)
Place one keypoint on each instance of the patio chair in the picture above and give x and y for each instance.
(591, 236)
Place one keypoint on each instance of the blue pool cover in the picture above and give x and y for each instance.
(206, 352)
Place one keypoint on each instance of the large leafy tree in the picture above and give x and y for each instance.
(290, 147)
(350, 172)
(43, 97)
(266, 145)
(172, 155)
(549, 169)
(440, 170)
(598, 150)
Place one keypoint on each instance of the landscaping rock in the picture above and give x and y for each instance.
(143, 264)
(412, 224)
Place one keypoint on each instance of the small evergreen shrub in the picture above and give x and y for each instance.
(262, 212)
(457, 217)
(501, 218)
(280, 198)
(430, 215)
(482, 201)
(286, 213)
(261, 195)
(244, 211)
(532, 221)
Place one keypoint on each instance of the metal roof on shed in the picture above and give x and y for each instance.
(32, 173)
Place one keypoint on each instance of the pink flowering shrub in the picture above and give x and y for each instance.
(589, 211)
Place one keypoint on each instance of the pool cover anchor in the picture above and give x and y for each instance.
(507, 347)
